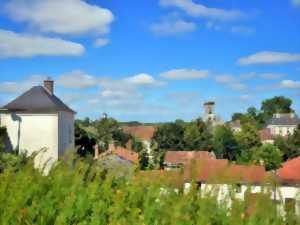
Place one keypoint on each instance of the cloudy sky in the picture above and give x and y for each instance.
(152, 60)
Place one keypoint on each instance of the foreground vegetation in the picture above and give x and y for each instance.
(79, 191)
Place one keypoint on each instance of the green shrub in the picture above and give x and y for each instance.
(78, 192)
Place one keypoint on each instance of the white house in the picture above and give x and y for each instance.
(235, 126)
(39, 120)
(283, 124)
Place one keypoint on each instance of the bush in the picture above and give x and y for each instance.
(85, 193)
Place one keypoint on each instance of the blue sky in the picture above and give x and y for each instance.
(154, 60)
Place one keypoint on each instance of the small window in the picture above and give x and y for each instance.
(238, 188)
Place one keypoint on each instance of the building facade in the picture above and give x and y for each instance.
(283, 124)
(38, 121)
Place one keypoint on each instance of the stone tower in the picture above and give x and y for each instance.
(209, 112)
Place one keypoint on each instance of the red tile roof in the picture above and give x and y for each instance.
(290, 171)
(181, 157)
(247, 174)
(205, 169)
(220, 171)
(126, 154)
(142, 132)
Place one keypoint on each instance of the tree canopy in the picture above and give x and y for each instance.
(225, 144)
(268, 155)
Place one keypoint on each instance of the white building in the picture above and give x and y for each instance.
(235, 126)
(283, 124)
(39, 120)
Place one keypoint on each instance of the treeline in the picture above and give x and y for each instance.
(197, 135)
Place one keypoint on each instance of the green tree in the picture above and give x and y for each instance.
(170, 136)
(197, 136)
(248, 139)
(278, 104)
(225, 144)
(109, 130)
(268, 155)
(290, 147)
(143, 159)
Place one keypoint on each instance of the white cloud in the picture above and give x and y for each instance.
(14, 87)
(77, 79)
(183, 98)
(245, 97)
(290, 84)
(243, 30)
(185, 74)
(143, 79)
(271, 76)
(264, 76)
(231, 81)
(212, 25)
(237, 86)
(296, 2)
(199, 10)
(101, 42)
(73, 17)
(269, 57)
(24, 45)
(172, 26)
(225, 78)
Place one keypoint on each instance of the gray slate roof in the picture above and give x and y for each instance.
(37, 100)
(285, 120)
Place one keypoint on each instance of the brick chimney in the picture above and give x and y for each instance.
(49, 85)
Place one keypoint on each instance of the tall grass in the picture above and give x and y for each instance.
(84, 192)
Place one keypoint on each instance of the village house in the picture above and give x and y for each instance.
(266, 136)
(283, 124)
(235, 126)
(177, 159)
(39, 120)
(247, 181)
(143, 133)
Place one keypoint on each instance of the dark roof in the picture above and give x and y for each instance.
(37, 100)
(284, 120)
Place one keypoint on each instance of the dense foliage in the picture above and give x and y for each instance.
(277, 104)
(225, 144)
(86, 193)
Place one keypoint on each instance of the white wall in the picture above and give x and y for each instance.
(224, 193)
(66, 132)
(282, 130)
(36, 131)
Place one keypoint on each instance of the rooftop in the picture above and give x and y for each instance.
(141, 132)
(127, 155)
(181, 157)
(290, 171)
(37, 100)
(288, 119)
